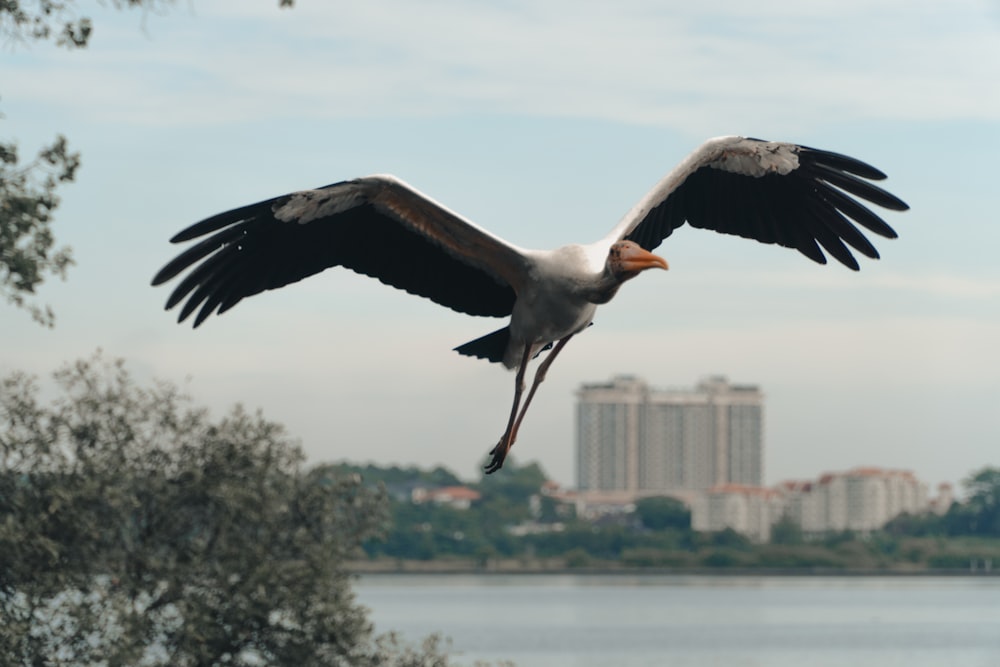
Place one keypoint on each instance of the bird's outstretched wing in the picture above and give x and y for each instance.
(378, 226)
(794, 196)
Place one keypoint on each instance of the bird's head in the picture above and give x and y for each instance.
(627, 259)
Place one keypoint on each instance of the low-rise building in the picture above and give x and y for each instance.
(459, 497)
(862, 500)
(748, 510)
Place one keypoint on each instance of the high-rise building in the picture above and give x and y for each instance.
(631, 437)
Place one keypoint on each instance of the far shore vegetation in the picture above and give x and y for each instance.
(514, 526)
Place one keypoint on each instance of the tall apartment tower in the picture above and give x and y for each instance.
(631, 437)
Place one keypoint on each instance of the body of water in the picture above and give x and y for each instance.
(684, 620)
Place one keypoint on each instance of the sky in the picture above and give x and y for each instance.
(543, 122)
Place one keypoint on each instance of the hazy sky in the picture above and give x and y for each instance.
(544, 122)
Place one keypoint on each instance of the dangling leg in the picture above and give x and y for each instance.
(539, 378)
(504, 443)
(507, 441)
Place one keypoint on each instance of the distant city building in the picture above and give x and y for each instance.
(862, 500)
(748, 510)
(459, 497)
(941, 503)
(637, 439)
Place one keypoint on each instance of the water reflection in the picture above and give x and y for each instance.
(561, 620)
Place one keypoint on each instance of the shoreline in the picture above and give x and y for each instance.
(449, 568)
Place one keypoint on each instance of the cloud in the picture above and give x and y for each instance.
(937, 284)
(699, 69)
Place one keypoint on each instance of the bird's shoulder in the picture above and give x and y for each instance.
(569, 260)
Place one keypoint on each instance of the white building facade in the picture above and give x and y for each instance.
(634, 438)
(748, 510)
(860, 500)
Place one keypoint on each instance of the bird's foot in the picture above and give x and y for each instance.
(499, 455)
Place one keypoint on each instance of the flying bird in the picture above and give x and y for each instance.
(772, 192)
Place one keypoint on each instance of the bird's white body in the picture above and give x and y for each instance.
(556, 300)
(772, 192)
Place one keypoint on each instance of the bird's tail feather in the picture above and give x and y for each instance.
(492, 346)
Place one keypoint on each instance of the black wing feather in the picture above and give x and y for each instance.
(250, 250)
(810, 208)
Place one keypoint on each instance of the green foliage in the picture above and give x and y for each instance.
(24, 20)
(796, 556)
(730, 539)
(397, 476)
(966, 557)
(506, 498)
(577, 558)
(27, 200)
(59, 20)
(915, 525)
(480, 535)
(982, 510)
(517, 484)
(835, 539)
(723, 558)
(427, 531)
(660, 512)
(134, 528)
(28, 190)
(858, 554)
(786, 531)
(651, 557)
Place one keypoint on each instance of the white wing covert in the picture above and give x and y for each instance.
(773, 192)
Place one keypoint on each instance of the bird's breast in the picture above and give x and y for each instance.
(547, 316)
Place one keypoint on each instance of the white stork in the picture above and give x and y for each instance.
(773, 192)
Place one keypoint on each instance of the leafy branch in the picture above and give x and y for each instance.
(27, 201)
(28, 191)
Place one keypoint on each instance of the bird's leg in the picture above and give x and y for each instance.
(507, 441)
(539, 378)
(499, 452)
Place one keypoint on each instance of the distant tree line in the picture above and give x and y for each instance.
(978, 515)
(658, 532)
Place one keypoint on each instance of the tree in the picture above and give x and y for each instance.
(27, 200)
(28, 189)
(506, 498)
(516, 486)
(980, 513)
(915, 525)
(786, 531)
(662, 512)
(136, 529)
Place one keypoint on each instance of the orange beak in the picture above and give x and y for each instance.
(635, 259)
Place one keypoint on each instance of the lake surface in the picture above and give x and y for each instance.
(684, 620)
